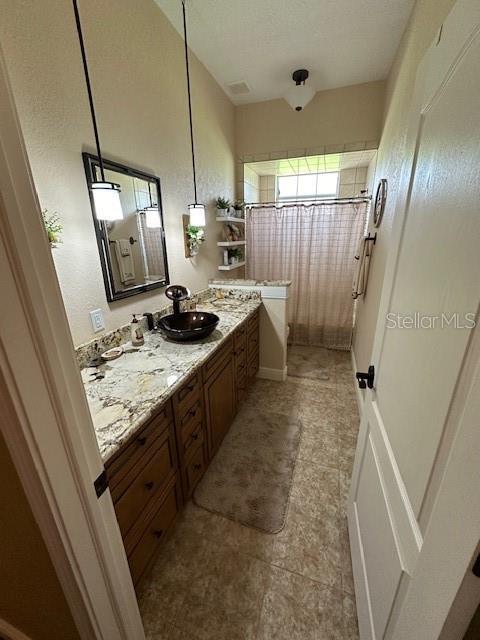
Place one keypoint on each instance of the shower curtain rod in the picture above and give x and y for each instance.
(293, 203)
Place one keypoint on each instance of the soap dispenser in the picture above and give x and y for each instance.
(136, 333)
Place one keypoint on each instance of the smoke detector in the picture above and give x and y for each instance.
(300, 95)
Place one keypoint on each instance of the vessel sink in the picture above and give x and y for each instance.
(189, 325)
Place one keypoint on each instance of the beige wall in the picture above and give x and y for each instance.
(424, 23)
(31, 598)
(137, 69)
(333, 119)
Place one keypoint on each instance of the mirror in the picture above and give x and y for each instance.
(132, 250)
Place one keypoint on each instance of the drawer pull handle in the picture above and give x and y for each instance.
(197, 466)
(190, 387)
(142, 440)
(149, 485)
(194, 436)
(192, 412)
(158, 533)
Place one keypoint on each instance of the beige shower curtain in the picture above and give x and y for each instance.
(314, 247)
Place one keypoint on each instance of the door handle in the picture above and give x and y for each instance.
(366, 379)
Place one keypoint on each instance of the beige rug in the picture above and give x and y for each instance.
(250, 478)
(309, 362)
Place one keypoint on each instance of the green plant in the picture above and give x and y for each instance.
(239, 205)
(235, 253)
(53, 227)
(195, 234)
(223, 203)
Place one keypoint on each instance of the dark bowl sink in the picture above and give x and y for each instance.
(190, 325)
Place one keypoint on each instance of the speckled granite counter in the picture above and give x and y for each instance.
(138, 382)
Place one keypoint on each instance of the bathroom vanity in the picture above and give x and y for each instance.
(160, 415)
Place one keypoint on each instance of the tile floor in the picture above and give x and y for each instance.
(218, 580)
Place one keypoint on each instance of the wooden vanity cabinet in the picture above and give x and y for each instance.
(158, 468)
(219, 395)
(144, 484)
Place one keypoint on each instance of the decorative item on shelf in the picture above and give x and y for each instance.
(195, 237)
(231, 232)
(196, 210)
(53, 227)
(223, 207)
(105, 194)
(380, 201)
(239, 208)
(234, 256)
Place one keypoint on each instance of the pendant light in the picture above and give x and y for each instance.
(106, 195)
(152, 217)
(196, 211)
(300, 95)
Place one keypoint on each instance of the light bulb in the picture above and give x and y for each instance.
(197, 215)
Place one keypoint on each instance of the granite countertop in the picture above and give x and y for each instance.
(142, 379)
(242, 282)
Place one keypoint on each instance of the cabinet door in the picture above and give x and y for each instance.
(220, 403)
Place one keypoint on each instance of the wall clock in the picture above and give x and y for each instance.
(380, 200)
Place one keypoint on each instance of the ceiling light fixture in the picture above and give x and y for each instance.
(300, 95)
(106, 195)
(196, 210)
(152, 217)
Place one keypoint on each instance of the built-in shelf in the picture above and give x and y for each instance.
(232, 243)
(230, 219)
(229, 267)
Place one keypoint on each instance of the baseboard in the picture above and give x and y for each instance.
(360, 398)
(272, 374)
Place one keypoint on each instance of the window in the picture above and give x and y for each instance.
(307, 186)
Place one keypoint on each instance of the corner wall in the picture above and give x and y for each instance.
(136, 61)
(425, 20)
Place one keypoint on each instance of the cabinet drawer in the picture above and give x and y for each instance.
(187, 395)
(241, 388)
(140, 445)
(217, 359)
(194, 470)
(154, 533)
(240, 370)
(252, 343)
(150, 480)
(192, 438)
(252, 368)
(239, 337)
(253, 321)
(191, 415)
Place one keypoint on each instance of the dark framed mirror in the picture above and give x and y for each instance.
(132, 250)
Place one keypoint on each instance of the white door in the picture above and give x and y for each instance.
(413, 419)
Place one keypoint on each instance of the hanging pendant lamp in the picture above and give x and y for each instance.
(106, 195)
(196, 211)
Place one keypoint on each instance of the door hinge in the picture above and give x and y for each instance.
(101, 483)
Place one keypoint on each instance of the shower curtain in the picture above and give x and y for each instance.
(314, 247)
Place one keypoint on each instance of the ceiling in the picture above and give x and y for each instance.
(313, 164)
(261, 42)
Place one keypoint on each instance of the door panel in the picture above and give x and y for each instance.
(377, 538)
(433, 269)
(438, 272)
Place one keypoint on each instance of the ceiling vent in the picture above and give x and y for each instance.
(237, 88)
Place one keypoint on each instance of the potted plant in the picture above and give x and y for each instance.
(223, 205)
(239, 206)
(195, 237)
(53, 227)
(235, 255)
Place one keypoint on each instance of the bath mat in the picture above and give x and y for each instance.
(250, 478)
(309, 362)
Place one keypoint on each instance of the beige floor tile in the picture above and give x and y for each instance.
(296, 608)
(224, 603)
(350, 617)
(320, 447)
(346, 452)
(316, 487)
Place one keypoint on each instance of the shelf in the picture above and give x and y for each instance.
(230, 219)
(224, 267)
(231, 243)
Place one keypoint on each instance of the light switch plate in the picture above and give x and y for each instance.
(96, 317)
